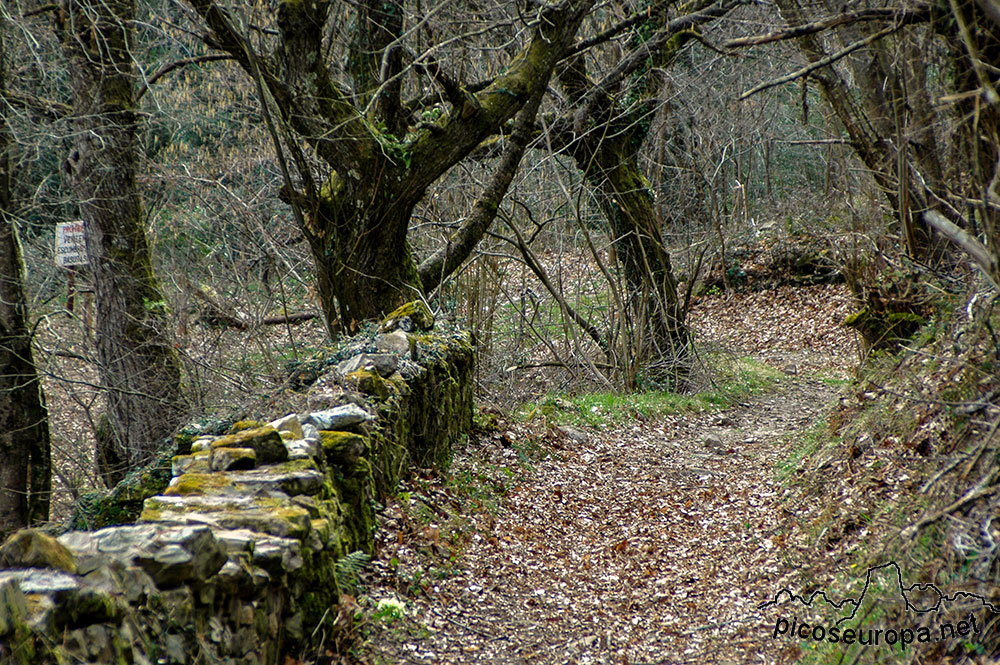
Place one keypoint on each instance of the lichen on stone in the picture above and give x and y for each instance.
(343, 448)
(367, 382)
(409, 317)
(241, 425)
(202, 484)
(265, 441)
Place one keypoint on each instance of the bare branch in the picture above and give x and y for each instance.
(639, 57)
(616, 30)
(980, 255)
(536, 267)
(485, 112)
(49, 109)
(51, 7)
(822, 62)
(815, 141)
(977, 62)
(177, 64)
(991, 8)
(450, 256)
(921, 13)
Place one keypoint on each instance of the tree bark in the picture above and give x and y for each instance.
(375, 70)
(661, 339)
(603, 133)
(139, 367)
(365, 268)
(26, 471)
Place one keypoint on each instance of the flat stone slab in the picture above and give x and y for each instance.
(306, 481)
(268, 515)
(265, 441)
(268, 552)
(383, 363)
(169, 554)
(339, 417)
(266, 480)
(301, 449)
(50, 600)
(40, 581)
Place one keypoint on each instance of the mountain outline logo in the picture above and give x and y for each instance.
(903, 590)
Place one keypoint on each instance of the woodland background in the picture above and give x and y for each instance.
(568, 180)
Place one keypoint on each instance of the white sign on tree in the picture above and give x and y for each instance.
(71, 244)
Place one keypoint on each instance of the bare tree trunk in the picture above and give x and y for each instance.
(652, 301)
(607, 155)
(139, 366)
(25, 470)
(368, 278)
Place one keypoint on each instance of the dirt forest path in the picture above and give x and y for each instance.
(638, 545)
(652, 542)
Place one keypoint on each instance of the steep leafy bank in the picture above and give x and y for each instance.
(905, 470)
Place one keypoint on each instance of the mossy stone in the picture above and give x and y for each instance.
(885, 329)
(343, 449)
(242, 425)
(201, 484)
(233, 459)
(123, 504)
(87, 606)
(266, 442)
(367, 382)
(196, 462)
(30, 548)
(857, 318)
(409, 317)
(13, 612)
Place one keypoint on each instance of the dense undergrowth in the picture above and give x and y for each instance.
(905, 470)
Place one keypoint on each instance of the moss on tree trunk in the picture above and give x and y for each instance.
(139, 367)
(26, 470)
(660, 337)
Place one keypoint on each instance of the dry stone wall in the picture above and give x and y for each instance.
(236, 560)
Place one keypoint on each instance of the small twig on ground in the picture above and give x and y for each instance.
(981, 449)
(466, 627)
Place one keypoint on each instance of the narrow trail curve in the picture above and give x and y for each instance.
(638, 545)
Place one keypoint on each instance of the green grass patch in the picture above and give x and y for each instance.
(739, 380)
(832, 380)
(818, 436)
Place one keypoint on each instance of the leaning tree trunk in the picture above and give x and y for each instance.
(25, 473)
(139, 366)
